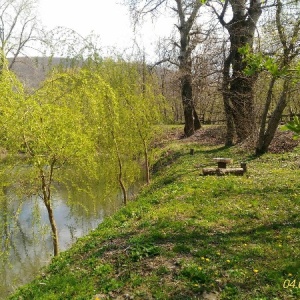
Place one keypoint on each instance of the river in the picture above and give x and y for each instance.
(26, 244)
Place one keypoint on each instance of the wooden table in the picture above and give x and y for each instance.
(222, 162)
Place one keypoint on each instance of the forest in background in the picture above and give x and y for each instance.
(232, 61)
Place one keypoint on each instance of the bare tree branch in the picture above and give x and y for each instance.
(18, 25)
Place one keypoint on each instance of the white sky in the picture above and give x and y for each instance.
(104, 17)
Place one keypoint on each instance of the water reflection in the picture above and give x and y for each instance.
(26, 243)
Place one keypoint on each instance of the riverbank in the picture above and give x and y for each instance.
(189, 236)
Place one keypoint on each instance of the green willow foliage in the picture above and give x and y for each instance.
(140, 106)
(96, 121)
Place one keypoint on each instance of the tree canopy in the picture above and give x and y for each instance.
(97, 120)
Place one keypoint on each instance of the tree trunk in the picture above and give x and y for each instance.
(120, 175)
(120, 178)
(53, 227)
(47, 201)
(266, 137)
(242, 100)
(238, 89)
(188, 105)
(147, 165)
(124, 192)
(197, 124)
(191, 119)
(263, 122)
(5, 226)
(230, 129)
(289, 53)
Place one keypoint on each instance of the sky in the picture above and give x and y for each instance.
(107, 18)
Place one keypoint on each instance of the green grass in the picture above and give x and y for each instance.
(187, 234)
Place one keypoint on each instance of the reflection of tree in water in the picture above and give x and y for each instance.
(22, 252)
(26, 243)
(72, 230)
(5, 242)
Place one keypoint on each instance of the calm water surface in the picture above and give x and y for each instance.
(26, 243)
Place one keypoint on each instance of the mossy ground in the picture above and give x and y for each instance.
(189, 236)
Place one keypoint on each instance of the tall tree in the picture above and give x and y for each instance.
(238, 89)
(187, 16)
(186, 12)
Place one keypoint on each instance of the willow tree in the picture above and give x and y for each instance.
(46, 134)
(10, 91)
(140, 108)
(120, 117)
(95, 121)
(186, 12)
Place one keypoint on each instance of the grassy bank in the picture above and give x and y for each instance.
(191, 237)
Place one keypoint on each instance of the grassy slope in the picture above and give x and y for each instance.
(187, 236)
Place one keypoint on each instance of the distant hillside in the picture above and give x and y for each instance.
(32, 70)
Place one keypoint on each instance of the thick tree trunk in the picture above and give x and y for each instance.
(191, 120)
(188, 105)
(242, 99)
(230, 129)
(240, 88)
(238, 94)
(197, 124)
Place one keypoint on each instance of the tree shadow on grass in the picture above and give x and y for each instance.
(213, 151)
(260, 234)
(168, 235)
(168, 158)
(210, 240)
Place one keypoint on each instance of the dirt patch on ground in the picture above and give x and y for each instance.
(209, 136)
(282, 142)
